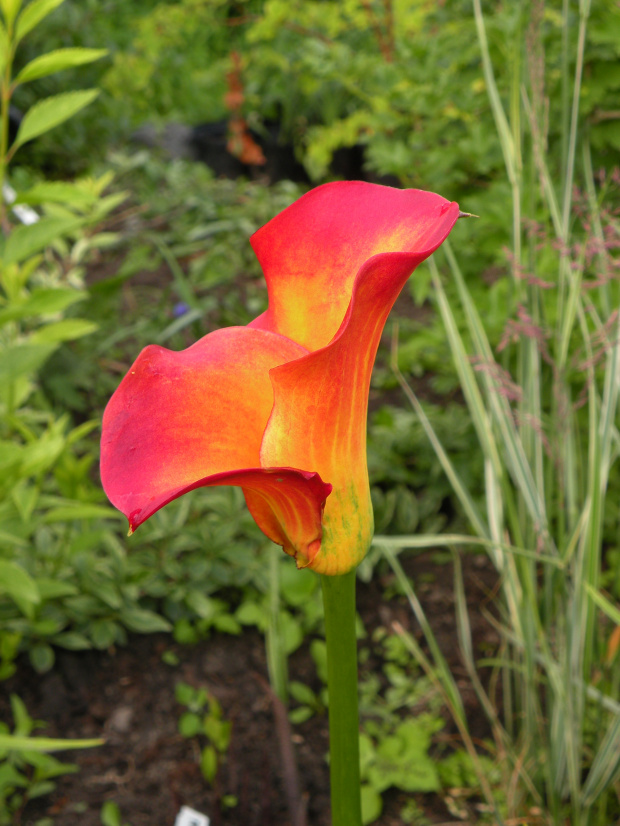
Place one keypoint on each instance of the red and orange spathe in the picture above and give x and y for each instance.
(279, 407)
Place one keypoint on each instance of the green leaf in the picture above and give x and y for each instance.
(11, 454)
(72, 641)
(12, 539)
(54, 588)
(296, 586)
(226, 624)
(44, 301)
(47, 627)
(372, 805)
(110, 814)
(4, 46)
(300, 714)
(56, 192)
(302, 693)
(318, 651)
(103, 633)
(402, 759)
(26, 240)
(57, 61)
(143, 621)
(251, 613)
(218, 732)
(291, 632)
(67, 330)
(23, 360)
(185, 633)
(81, 431)
(38, 456)
(17, 583)
(67, 513)
(190, 724)
(47, 766)
(184, 694)
(14, 743)
(202, 605)
(208, 763)
(107, 592)
(51, 112)
(10, 9)
(42, 657)
(42, 787)
(10, 778)
(21, 718)
(33, 14)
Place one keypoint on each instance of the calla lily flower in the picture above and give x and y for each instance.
(279, 407)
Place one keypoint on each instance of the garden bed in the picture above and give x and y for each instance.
(149, 770)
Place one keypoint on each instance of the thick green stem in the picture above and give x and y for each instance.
(339, 608)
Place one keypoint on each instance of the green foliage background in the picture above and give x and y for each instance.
(134, 248)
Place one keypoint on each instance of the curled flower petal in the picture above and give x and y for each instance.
(178, 419)
(287, 505)
(312, 251)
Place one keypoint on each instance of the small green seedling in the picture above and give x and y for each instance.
(111, 815)
(204, 718)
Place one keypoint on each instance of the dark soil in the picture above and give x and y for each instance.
(127, 696)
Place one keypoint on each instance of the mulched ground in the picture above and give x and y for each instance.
(150, 771)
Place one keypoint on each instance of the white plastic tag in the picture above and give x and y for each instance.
(189, 817)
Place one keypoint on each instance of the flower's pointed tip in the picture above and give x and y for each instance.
(134, 521)
(467, 214)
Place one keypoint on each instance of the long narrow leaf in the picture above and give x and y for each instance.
(14, 742)
(604, 604)
(423, 541)
(500, 409)
(501, 122)
(605, 768)
(466, 374)
(468, 504)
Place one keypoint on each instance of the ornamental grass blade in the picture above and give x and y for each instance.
(466, 375)
(609, 404)
(588, 561)
(440, 674)
(422, 541)
(501, 122)
(500, 409)
(604, 604)
(605, 768)
(440, 664)
(468, 504)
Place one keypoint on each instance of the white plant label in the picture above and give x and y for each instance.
(190, 817)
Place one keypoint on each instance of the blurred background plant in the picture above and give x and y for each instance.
(511, 109)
